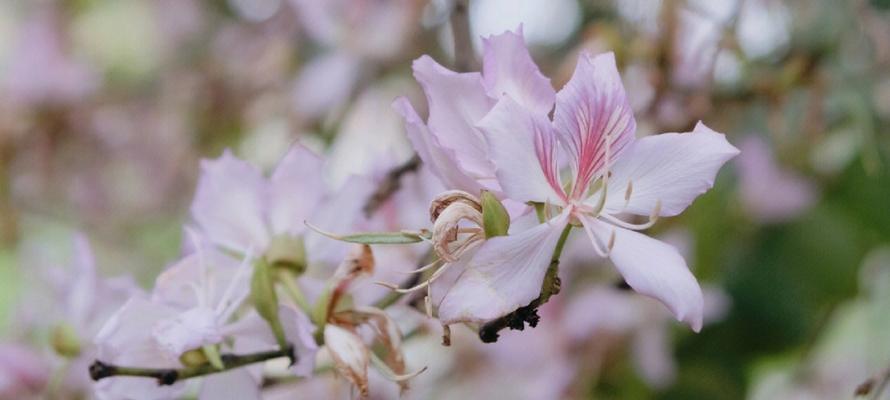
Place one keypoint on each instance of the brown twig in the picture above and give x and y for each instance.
(167, 376)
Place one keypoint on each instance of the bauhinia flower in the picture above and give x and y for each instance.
(237, 208)
(188, 320)
(612, 174)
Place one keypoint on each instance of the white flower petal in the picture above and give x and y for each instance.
(456, 102)
(505, 274)
(234, 384)
(441, 161)
(522, 145)
(186, 331)
(652, 268)
(671, 168)
(297, 187)
(229, 203)
(508, 69)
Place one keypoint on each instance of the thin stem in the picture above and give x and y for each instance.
(529, 314)
(390, 185)
(168, 376)
(289, 280)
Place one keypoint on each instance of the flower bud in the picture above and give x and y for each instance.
(286, 251)
(193, 358)
(265, 300)
(495, 219)
(65, 341)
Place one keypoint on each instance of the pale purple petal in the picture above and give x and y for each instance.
(522, 145)
(229, 203)
(592, 109)
(652, 356)
(441, 161)
(671, 168)
(234, 384)
(22, 371)
(325, 83)
(508, 69)
(652, 268)
(341, 210)
(297, 187)
(185, 331)
(456, 102)
(769, 192)
(206, 269)
(505, 274)
(251, 334)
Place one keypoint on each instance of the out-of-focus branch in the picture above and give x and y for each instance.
(391, 183)
(168, 376)
(464, 59)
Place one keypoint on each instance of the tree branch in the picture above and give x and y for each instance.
(464, 59)
(168, 376)
(391, 183)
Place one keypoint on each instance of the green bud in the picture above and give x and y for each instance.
(265, 300)
(289, 252)
(193, 358)
(495, 218)
(65, 341)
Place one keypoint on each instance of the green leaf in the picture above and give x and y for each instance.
(372, 237)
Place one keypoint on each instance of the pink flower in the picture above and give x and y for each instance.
(237, 208)
(612, 174)
(769, 192)
(23, 373)
(192, 306)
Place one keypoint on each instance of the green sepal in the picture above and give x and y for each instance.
(265, 300)
(495, 219)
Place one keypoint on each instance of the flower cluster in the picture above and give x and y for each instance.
(262, 280)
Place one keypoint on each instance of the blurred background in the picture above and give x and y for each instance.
(107, 106)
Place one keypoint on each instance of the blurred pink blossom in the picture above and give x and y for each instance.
(771, 193)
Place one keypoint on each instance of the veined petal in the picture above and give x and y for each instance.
(505, 274)
(523, 147)
(229, 203)
(456, 101)
(508, 70)
(652, 268)
(591, 110)
(441, 160)
(671, 168)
